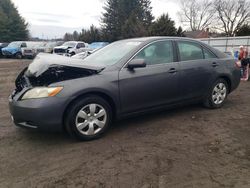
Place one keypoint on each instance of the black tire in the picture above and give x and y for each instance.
(18, 55)
(71, 115)
(209, 102)
(72, 53)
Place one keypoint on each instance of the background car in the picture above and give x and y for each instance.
(125, 78)
(70, 48)
(14, 49)
(97, 45)
(48, 48)
(2, 45)
(83, 55)
(90, 50)
(32, 49)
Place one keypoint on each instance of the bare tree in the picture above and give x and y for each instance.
(232, 14)
(196, 14)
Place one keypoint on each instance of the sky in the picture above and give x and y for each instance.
(53, 18)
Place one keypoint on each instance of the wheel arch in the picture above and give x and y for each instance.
(103, 95)
(228, 80)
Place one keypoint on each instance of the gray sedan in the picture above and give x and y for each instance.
(125, 78)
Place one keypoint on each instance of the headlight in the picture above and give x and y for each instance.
(41, 92)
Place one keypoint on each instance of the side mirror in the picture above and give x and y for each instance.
(136, 63)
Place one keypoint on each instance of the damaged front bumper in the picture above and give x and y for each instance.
(43, 114)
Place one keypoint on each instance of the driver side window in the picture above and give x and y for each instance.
(23, 45)
(157, 53)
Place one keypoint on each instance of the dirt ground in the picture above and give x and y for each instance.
(186, 147)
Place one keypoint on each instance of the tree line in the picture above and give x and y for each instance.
(133, 18)
(230, 17)
(126, 19)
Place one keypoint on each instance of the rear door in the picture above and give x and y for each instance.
(154, 85)
(197, 69)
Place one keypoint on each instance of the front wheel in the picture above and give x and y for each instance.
(88, 118)
(72, 54)
(217, 94)
(19, 56)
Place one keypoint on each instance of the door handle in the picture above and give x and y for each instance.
(172, 70)
(214, 64)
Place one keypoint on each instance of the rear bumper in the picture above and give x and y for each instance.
(235, 80)
(7, 54)
(43, 114)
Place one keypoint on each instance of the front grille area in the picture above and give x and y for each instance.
(27, 51)
(60, 51)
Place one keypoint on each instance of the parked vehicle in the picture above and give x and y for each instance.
(125, 78)
(90, 50)
(48, 48)
(2, 45)
(14, 49)
(97, 45)
(70, 48)
(83, 55)
(32, 49)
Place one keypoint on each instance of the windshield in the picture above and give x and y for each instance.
(96, 45)
(111, 54)
(15, 44)
(69, 44)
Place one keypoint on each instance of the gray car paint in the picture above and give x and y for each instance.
(132, 91)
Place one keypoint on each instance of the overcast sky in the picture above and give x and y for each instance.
(52, 18)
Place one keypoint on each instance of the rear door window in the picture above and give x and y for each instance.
(190, 51)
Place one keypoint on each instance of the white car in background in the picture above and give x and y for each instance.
(70, 48)
(49, 47)
(32, 49)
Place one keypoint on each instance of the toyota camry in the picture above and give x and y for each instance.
(125, 78)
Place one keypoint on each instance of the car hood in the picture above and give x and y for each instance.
(63, 47)
(44, 62)
(10, 49)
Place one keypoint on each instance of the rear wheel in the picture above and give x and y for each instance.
(217, 94)
(88, 118)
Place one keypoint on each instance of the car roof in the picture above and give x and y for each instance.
(146, 40)
(154, 38)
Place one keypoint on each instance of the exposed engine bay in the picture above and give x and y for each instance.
(47, 69)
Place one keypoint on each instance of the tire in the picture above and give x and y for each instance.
(72, 53)
(18, 56)
(217, 94)
(88, 118)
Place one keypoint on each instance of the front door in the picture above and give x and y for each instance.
(154, 85)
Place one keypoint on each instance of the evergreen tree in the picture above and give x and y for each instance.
(163, 26)
(12, 26)
(93, 34)
(126, 18)
(180, 32)
(68, 37)
(75, 35)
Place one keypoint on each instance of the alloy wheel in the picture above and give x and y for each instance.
(219, 93)
(91, 119)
